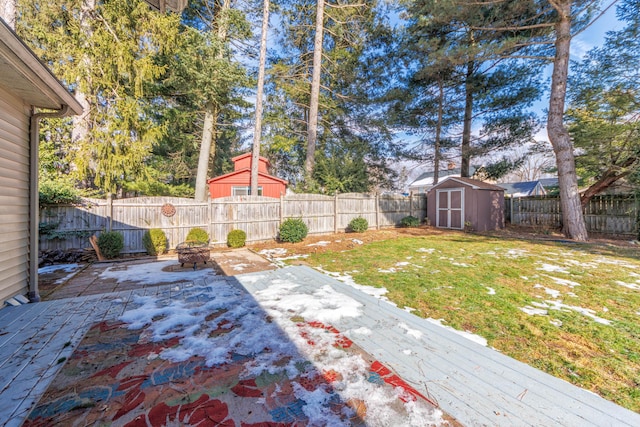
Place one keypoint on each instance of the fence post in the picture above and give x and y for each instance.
(377, 212)
(511, 202)
(281, 208)
(411, 204)
(109, 212)
(335, 213)
(209, 217)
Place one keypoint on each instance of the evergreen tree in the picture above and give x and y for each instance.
(458, 62)
(345, 118)
(106, 52)
(604, 107)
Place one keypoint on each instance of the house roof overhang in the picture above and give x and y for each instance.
(26, 76)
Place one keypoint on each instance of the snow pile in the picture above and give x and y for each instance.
(378, 293)
(320, 243)
(150, 273)
(466, 334)
(70, 269)
(281, 330)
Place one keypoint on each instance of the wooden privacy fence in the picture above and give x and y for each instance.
(70, 226)
(609, 214)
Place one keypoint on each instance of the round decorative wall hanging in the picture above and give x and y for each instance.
(168, 209)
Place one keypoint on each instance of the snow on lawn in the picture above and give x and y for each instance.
(71, 269)
(564, 282)
(552, 268)
(150, 273)
(628, 285)
(542, 309)
(554, 293)
(278, 332)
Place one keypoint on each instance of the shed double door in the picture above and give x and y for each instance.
(450, 208)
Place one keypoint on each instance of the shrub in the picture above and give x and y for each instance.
(409, 221)
(293, 230)
(57, 192)
(111, 244)
(236, 238)
(358, 225)
(154, 241)
(198, 235)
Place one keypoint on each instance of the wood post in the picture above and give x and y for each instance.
(109, 212)
(335, 213)
(377, 212)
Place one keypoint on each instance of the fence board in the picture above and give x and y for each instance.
(608, 214)
(259, 217)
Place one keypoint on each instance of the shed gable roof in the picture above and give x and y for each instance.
(219, 179)
(473, 183)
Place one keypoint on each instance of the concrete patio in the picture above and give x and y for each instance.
(476, 385)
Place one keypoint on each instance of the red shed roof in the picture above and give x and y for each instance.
(242, 171)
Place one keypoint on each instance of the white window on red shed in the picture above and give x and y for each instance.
(243, 191)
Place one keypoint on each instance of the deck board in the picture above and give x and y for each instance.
(475, 384)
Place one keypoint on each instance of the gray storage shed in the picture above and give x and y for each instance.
(455, 201)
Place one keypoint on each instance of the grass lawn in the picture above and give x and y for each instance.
(568, 309)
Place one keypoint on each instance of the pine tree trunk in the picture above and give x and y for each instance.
(208, 131)
(312, 126)
(210, 126)
(572, 218)
(255, 155)
(436, 143)
(465, 149)
(81, 124)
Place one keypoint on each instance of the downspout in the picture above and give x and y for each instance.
(34, 204)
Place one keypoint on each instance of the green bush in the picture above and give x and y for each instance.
(358, 225)
(155, 241)
(293, 230)
(409, 221)
(111, 244)
(57, 192)
(198, 235)
(236, 238)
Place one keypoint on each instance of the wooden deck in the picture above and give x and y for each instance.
(477, 385)
(35, 339)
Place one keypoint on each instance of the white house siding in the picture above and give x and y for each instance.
(14, 195)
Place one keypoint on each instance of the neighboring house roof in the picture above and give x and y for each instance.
(426, 179)
(26, 76)
(523, 189)
(473, 183)
(548, 182)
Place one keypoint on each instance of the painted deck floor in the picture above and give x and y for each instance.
(476, 385)
(35, 339)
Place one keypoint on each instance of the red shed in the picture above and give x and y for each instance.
(456, 202)
(238, 182)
